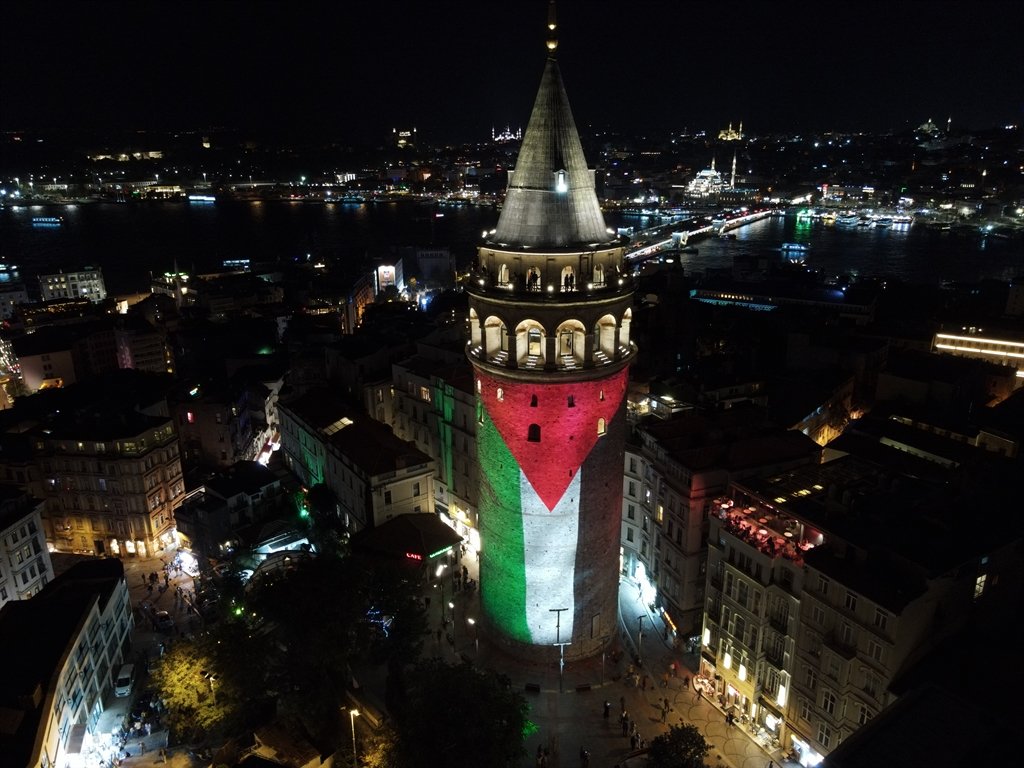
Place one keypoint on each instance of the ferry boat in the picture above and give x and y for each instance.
(848, 220)
(794, 247)
(47, 222)
(883, 222)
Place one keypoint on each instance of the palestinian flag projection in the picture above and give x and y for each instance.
(535, 441)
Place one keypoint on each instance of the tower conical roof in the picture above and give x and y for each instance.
(551, 200)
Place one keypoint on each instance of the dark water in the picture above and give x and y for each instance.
(129, 241)
(914, 254)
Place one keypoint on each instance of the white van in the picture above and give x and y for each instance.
(125, 680)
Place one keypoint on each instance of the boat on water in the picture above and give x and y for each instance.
(848, 220)
(794, 247)
(47, 222)
(727, 236)
(883, 222)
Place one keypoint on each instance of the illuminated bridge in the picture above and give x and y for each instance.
(652, 241)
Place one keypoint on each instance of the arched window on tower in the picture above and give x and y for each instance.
(600, 427)
(572, 401)
(533, 401)
(503, 275)
(533, 433)
(500, 394)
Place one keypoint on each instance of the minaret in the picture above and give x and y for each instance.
(549, 315)
(732, 179)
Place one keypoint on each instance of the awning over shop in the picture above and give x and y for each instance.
(771, 706)
(416, 537)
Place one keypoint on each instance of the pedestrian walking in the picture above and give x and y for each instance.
(625, 725)
(664, 680)
(142, 748)
(163, 755)
(674, 668)
(643, 682)
(622, 702)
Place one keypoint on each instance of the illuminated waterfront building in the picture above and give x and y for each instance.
(706, 183)
(549, 315)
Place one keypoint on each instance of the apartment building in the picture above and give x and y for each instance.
(374, 474)
(674, 469)
(25, 566)
(214, 422)
(68, 643)
(223, 514)
(826, 585)
(104, 459)
(434, 406)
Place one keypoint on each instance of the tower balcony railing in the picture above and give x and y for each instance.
(483, 283)
(562, 363)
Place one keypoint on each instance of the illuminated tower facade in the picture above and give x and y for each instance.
(549, 313)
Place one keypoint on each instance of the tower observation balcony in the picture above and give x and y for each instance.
(557, 311)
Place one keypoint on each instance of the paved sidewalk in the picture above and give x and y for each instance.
(568, 708)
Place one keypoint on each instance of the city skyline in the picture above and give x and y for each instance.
(456, 71)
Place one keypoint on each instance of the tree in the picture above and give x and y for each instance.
(455, 715)
(682, 747)
(205, 690)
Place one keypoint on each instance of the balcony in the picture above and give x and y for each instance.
(536, 362)
(485, 285)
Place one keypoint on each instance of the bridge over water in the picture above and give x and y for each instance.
(676, 234)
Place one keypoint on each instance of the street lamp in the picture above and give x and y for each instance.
(451, 605)
(476, 638)
(560, 644)
(352, 715)
(440, 585)
(639, 637)
(213, 690)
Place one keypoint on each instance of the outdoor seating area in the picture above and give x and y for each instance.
(774, 534)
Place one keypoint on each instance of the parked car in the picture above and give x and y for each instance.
(164, 621)
(125, 680)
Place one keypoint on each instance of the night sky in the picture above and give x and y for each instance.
(455, 68)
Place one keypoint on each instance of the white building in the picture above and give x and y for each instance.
(86, 284)
(64, 647)
(25, 566)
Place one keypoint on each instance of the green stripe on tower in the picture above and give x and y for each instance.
(503, 576)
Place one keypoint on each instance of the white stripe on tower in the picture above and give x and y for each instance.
(549, 559)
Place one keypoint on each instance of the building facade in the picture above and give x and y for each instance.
(373, 474)
(25, 566)
(549, 314)
(434, 405)
(826, 586)
(84, 284)
(69, 642)
(109, 490)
